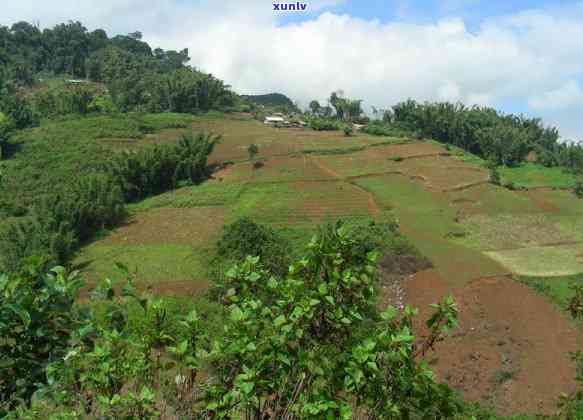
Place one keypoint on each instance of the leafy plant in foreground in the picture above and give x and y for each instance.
(36, 322)
(313, 345)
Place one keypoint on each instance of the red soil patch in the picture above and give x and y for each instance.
(168, 225)
(405, 151)
(511, 348)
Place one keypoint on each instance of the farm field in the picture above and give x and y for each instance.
(478, 237)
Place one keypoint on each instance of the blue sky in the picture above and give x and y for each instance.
(420, 11)
(518, 56)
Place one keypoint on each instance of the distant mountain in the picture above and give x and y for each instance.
(270, 99)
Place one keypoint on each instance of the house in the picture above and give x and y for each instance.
(274, 120)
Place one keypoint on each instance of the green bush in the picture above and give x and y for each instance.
(576, 302)
(379, 128)
(579, 188)
(495, 177)
(325, 124)
(37, 319)
(245, 237)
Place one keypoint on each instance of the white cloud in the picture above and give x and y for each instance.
(568, 95)
(508, 59)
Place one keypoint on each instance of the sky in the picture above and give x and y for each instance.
(518, 56)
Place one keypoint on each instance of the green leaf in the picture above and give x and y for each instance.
(22, 314)
(246, 387)
(237, 314)
(279, 321)
(389, 314)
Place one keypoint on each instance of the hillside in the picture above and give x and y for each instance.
(481, 238)
(164, 253)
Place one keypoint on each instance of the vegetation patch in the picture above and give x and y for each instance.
(557, 289)
(504, 231)
(532, 175)
(194, 226)
(154, 263)
(545, 261)
(210, 193)
(427, 220)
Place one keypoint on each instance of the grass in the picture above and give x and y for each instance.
(490, 199)
(154, 263)
(504, 231)
(556, 289)
(545, 261)
(210, 193)
(460, 154)
(428, 220)
(531, 175)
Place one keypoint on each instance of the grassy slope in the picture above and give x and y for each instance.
(308, 177)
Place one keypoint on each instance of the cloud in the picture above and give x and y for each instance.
(532, 59)
(568, 95)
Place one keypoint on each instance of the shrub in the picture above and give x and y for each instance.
(348, 130)
(37, 320)
(308, 344)
(495, 177)
(576, 302)
(312, 345)
(378, 128)
(324, 124)
(245, 237)
(579, 188)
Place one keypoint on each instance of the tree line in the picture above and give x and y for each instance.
(502, 139)
(126, 75)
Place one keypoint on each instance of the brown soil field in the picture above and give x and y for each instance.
(318, 202)
(405, 151)
(167, 225)
(511, 348)
(443, 173)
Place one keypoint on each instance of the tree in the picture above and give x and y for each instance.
(6, 125)
(579, 187)
(315, 107)
(253, 150)
(37, 316)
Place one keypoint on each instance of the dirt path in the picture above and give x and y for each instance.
(511, 348)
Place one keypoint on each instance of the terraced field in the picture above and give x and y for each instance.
(468, 227)
(477, 235)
